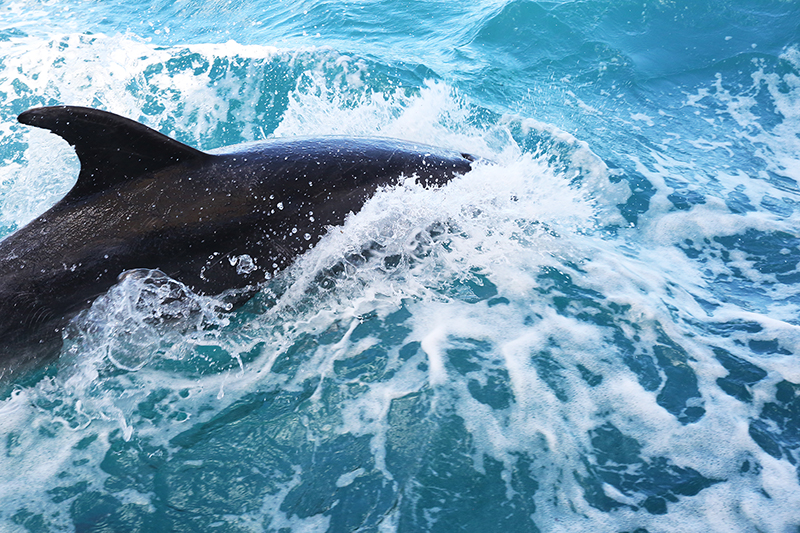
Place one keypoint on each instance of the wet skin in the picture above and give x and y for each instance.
(214, 221)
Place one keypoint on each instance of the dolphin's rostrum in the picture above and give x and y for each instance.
(214, 221)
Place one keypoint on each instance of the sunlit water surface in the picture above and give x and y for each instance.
(597, 329)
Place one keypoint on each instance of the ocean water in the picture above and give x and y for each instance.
(597, 329)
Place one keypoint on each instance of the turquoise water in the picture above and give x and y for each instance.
(596, 330)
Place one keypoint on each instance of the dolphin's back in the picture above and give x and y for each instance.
(144, 200)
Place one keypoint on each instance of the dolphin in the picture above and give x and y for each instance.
(226, 219)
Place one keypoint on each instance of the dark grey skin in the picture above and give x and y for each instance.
(144, 200)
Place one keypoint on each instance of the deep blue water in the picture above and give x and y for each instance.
(597, 331)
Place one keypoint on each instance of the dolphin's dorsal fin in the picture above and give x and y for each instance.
(112, 149)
